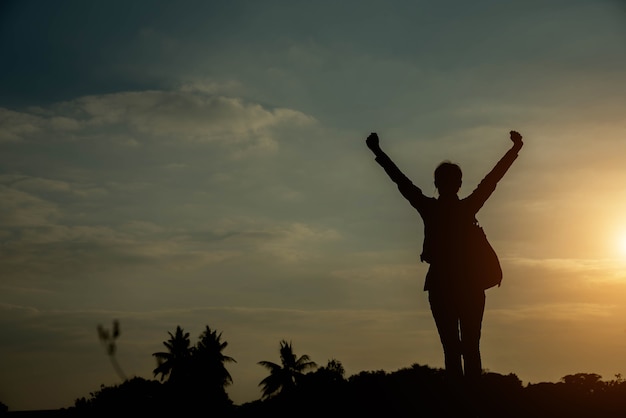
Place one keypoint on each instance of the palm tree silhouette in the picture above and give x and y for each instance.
(283, 378)
(209, 360)
(174, 363)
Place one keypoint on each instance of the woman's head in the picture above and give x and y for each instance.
(448, 178)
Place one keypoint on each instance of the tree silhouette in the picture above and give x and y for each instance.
(584, 382)
(174, 364)
(332, 372)
(136, 396)
(209, 361)
(196, 375)
(283, 378)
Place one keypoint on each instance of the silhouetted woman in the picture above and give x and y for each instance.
(457, 300)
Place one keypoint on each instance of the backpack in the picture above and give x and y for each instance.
(481, 263)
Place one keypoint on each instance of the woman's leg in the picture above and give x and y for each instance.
(471, 310)
(446, 317)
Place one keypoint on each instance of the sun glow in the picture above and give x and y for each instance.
(620, 243)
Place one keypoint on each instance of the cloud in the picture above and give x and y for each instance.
(86, 201)
(22, 209)
(557, 312)
(17, 125)
(20, 125)
(280, 241)
(296, 241)
(596, 270)
(39, 185)
(187, 115)
(44, 242)
(56, 253)
(386, 273)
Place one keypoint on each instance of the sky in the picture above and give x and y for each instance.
(203, 163)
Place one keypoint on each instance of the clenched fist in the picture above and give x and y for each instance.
(372, 141)
(516, 137)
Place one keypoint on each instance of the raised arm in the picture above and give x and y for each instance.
(488, 184)
(411, 192)
(505, 162)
